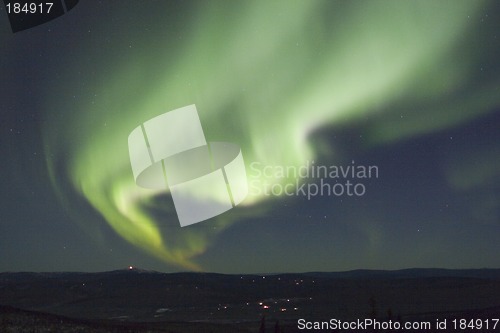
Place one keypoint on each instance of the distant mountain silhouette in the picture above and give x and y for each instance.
(154, 298)
(485, 273)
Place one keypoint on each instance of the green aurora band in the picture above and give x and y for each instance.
(264, 75)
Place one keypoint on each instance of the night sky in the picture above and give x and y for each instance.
(410, 87)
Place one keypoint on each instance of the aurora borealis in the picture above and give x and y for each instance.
(411, 87)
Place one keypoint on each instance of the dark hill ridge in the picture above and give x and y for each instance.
(135, 295)
(484, 273)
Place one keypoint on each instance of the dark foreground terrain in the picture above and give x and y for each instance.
(143, 301)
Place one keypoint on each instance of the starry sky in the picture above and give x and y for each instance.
(411, 87)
